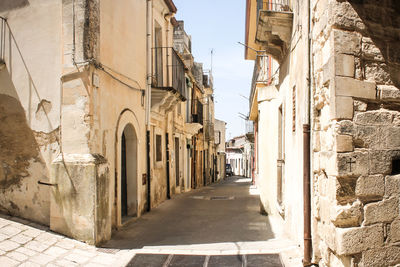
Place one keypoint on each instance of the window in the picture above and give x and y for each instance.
(158, 148)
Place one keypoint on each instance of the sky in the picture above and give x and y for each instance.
(220, 25)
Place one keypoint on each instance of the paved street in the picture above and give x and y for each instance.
(219, 225)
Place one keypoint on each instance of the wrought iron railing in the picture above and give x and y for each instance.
(277, 5)
(168, 70)
(249, 127)
(261, 74)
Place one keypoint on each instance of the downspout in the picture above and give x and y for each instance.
(307, 155)
(148, 96)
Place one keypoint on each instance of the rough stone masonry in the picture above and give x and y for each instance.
(356, 142)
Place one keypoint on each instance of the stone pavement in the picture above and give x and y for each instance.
(28, 244)
(222, 219)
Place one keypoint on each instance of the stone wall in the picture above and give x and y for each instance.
(356, 133)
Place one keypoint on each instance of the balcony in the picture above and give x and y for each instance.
(250, 131)
(168, 78)
(274, 27)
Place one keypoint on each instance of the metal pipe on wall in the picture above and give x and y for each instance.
(149, 29)
(307, 155)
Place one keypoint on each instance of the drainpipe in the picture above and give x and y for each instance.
(148, 96)
(307, 156)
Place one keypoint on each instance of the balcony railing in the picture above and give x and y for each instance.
(260, 74)
(197, 116)
(168, 70)
(278, 5)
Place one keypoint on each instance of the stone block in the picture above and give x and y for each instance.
(353, 164)
(345, 127)
(344, 65)
(394, 235)
(381, 212)
(370, 50)
(370, 187)
(347, 215)
(369, 137)
(346, 42)
(392, 186)
(382, 257)
(360, 106)
(344, 143)
(344, 190)
(380, 161)
(376, 117)
(388, 92)
(346, 86)
(344, 16)
(342, 108)
(377, 72)
(393, 138)
(358, 239)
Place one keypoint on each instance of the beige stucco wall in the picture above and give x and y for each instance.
(30, 104)
(122, 42)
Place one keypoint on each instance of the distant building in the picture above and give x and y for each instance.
(220, 130)
(239, 155)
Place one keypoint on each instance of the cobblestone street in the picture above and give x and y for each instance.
(221, 219)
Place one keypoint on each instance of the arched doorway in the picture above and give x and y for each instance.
(128, 183)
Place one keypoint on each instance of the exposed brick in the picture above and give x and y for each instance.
(382, 211)
(355, 240)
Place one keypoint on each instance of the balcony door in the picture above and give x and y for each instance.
(158, 57)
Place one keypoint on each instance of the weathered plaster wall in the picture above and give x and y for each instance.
(30, 105)
(355, 140)
(288, 91)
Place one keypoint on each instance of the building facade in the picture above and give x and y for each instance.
(239, 155)
(97, 113)
(324, 96)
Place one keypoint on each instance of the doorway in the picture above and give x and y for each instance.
(177, 161)
(128, 183)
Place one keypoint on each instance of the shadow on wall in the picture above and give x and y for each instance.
(22, 164)
(382, 22)
(6, 5)
(19, 152)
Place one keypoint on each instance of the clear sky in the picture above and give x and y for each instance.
(219, 25)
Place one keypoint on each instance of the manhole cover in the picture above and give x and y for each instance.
(221, 198)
